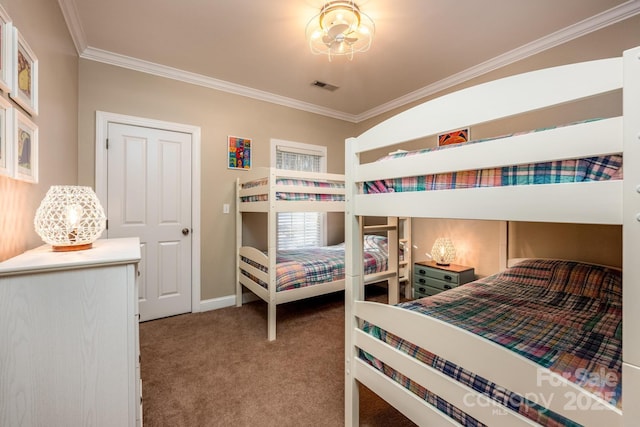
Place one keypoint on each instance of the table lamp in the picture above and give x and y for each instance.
(69, 218)
(443, 251)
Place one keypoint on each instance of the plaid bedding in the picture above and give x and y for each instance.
(557, 172)
(562, 315)
(297, 268)
(295, 196)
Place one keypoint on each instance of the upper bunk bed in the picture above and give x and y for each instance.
(280, 276)
(274, 190)
(583, 199)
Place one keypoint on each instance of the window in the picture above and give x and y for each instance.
(299, 229)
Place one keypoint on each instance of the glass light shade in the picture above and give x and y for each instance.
(443, 251)
(340, 29)
(69, 218)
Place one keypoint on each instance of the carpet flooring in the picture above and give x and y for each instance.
(217, 368)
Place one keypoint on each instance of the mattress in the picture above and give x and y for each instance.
(595, 168)
(297, 268)
(562, 315)
(290, 196)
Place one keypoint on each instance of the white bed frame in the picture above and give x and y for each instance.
(272, 206)
(612, 202)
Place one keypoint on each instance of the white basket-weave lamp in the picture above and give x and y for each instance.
(70, 218)
(443, 251)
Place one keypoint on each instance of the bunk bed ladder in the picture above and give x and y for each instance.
(391, 275)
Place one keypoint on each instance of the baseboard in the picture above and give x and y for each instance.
(226, 301)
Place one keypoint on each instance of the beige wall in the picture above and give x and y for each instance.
(476, 242)
(218, 114)
(601, 244)
(608, 42)
(43, 27)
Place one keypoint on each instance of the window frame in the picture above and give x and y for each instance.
(303, 148)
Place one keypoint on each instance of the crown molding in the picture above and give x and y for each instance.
(72, 18)
(594, 23)
(111, 58)
(589, 25)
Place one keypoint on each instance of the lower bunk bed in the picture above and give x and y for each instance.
(563, 319)
(307, 272)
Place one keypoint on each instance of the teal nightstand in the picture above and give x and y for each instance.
(430, 278)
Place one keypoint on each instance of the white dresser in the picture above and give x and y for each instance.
(69, 350)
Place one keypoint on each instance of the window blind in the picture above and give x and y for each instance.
(291, 160)
(298, 229)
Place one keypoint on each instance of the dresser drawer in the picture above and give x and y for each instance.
(422, 291)
(440, 285)
(443, 275)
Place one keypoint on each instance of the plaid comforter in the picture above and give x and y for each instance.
(297, 268)
(565, 316)
(557, 172)
(296, 196)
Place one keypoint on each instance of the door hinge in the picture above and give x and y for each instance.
(107, 143)
(106, 224)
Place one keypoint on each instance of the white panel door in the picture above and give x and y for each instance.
(149, 196)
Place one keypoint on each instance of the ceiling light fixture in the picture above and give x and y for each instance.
(340, 29)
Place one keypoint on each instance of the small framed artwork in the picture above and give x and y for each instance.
(25, 147)
(6, 138)
(239, 153)
(25, 74)
(454, 137)
(6, 51)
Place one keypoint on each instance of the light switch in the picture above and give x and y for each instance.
(225, 208)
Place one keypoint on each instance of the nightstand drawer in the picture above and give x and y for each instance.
(440, 285)
(430, 278)
(421, 291)
(447, 276)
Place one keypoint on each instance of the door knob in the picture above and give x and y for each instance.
(185, 231)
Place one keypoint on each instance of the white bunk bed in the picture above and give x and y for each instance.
(602, 202)
(270, 191)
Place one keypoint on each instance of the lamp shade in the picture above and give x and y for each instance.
(69, 218)
(443, 251)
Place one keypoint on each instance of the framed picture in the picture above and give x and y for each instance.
(25, 74)
(6, 51)
(454, 137)
(25, 147)
(239, 153)
(6, 138)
